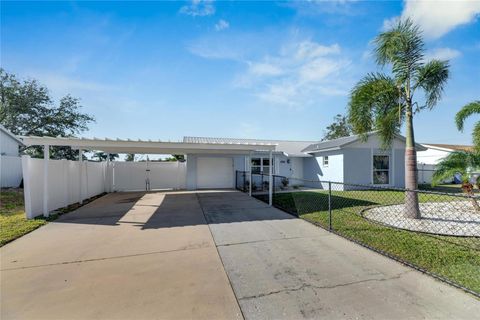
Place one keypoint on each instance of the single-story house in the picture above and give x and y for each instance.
(354, 161)
(216, 172)
(211, 163)
(10, 161)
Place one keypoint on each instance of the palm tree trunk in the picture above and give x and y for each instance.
(412, 209)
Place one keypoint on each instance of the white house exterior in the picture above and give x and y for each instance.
(219, 171)
(353, 161)
(10, 161)
(432, 155)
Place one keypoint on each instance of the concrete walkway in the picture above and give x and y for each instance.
(144, 256)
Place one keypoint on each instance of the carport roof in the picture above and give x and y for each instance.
(148, 146)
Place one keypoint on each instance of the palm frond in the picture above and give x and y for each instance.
(465, 112)
(374, 105)
(403, 47)
(456, 162)
(432, 78)
(476, 136)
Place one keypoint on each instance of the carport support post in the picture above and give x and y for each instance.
(46, 157)
(270, 181)
(80, 175)
(250, 174)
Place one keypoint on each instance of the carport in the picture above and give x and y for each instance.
(52, 184)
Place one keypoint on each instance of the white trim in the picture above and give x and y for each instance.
(46, 159)
(150, 147)
(80, 177)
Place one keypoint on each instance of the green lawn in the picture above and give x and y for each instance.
(13, 223)
(455, 258)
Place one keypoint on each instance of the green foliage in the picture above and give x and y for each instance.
(339, 128)
(130, 157)
(464, 113)
(26, 108)
(382, 102)
(454, 258)
(13, 223)
(462, 162)
(102, 156)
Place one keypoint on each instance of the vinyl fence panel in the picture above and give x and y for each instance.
(63, 183)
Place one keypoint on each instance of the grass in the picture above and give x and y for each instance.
(13, 223)
(454, 258)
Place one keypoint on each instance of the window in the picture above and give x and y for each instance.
(325, 161)
(261, 165)
(381, 169)
(256, 165)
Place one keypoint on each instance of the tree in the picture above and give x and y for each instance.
(338, 129)
(26, 108)
(464, 163)
(463, 114)
(130, 157)
(384, 102)
(102, 156)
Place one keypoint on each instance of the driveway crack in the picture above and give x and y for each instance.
(307, 285)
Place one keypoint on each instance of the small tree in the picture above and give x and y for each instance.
(383, 102)
(338, 129)
(463, 114)
(130, 157)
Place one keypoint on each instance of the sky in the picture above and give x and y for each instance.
(270, 69)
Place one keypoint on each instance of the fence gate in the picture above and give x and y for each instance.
(147, 175)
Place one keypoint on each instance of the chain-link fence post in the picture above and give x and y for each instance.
(329, 205)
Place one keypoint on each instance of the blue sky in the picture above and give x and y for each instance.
(162, 70)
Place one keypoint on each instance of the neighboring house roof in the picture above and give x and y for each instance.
(11, 135)
(448, 147)
(339, 143)
(290, 148)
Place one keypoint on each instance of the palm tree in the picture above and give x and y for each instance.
(463, 114)
(464, 163)
(383, 102)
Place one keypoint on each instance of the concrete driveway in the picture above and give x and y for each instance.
(212, 255)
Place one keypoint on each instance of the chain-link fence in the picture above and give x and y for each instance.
(436, 232)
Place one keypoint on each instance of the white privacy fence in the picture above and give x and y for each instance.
(10, 171)
(70, 182)
(133, 176)
(65, 180)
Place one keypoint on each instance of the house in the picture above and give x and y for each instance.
(10, 161)
(211, 163)
(354, 161)
(432, 155)
(216, 172)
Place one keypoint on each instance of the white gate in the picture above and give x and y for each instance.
(141, 176)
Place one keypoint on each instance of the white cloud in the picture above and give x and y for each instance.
(298, 75)
(222, 25)
(199, 8)
(436, 18)
(442, 54)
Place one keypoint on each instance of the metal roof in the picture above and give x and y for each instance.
(148, 146)
(289, 147)
(451, 147)
(344, 141)
(11, 135)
